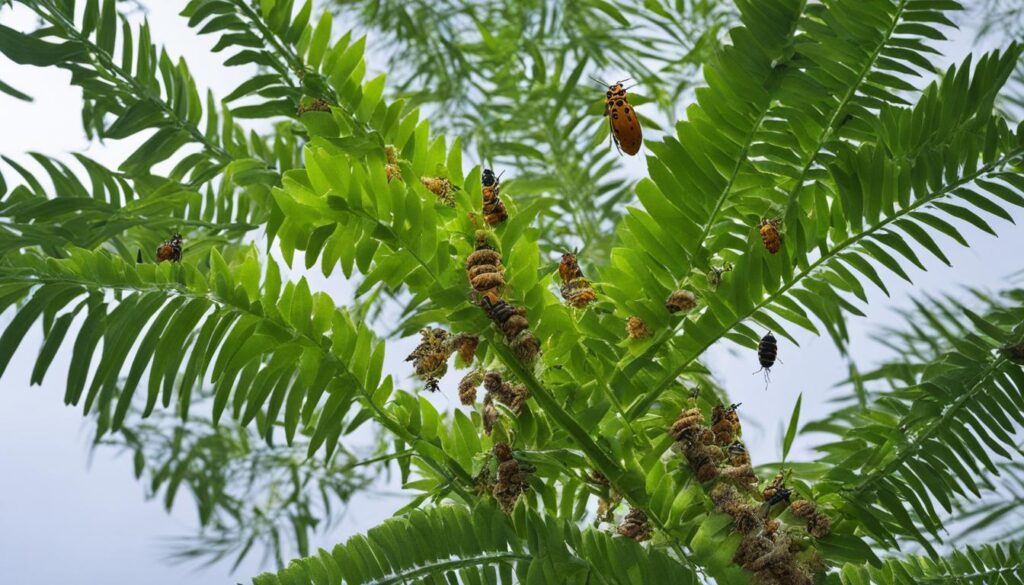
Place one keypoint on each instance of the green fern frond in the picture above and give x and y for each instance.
(994, 563)
(483, 545)
(107, 208)
(127, 78)
(931, 441)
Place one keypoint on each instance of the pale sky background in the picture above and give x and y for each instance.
(66, 519)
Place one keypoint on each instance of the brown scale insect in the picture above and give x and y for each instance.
(818, 524)
(430, 358)
(485, 271)
(391, 169)
(441, 187)
(769, 229)
(511, 477)
(636, 328)
(170, 250)
(687, 426)
(493, 208)
(465, 344)
(635, 525)
(622, 121)
(703, 460)
(467, 387)
(738, 454)
(725, 423)
(511, 395)
(681, 300)
(316, 105)
(575, 289)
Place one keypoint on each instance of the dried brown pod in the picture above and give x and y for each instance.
(636, 328)
(681, 301)
(724, 497)
(703, 460)
(635, 525)
(441, 187)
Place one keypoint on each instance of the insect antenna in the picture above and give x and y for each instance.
(598, 81)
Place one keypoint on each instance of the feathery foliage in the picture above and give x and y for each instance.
(825, 120)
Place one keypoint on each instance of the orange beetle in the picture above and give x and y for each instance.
(170, 250)
(622, 120)
(769, 229)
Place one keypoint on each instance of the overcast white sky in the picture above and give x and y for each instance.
(66, 520)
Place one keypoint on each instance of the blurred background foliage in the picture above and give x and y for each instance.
(514, 79)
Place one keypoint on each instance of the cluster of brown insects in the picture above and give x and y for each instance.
(486, 276)
(511, 478)
(512, 396)
(716, 454)
(430, 358)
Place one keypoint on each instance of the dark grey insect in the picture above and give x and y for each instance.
(767, 353)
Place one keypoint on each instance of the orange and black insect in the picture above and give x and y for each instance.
(510, 319)
(622, 120)
(494, 209)
(776, 492)
(767, 353)
(170, 250)
(769, 229)
(575, 289)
